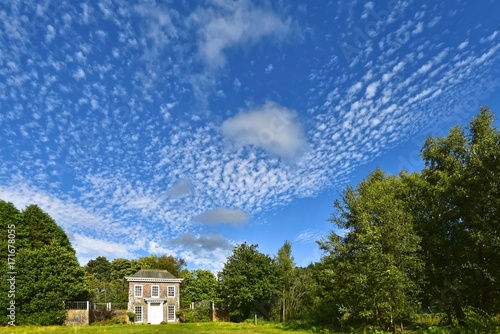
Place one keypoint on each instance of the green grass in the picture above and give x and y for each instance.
(205, 327)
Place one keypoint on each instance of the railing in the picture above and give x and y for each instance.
(78, 305)
(109, 306)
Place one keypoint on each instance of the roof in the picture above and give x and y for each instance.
(153, 275)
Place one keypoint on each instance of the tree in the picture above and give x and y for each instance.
(248, 282)
(374, 266)
(121, 268)
(48, 277)
(48, 273)
(100, 268)
(198, 285)
(458, 215)
(286, 271)
(301, 294)
(173, 265)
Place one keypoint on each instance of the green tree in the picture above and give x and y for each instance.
(121, 268)
(457, 215)
(173, 265)
(48, 273)
(375, 264)
(286, 270)
(48, 277)
(198, 285)
(248, 283)
(100, 268)
(301, 293)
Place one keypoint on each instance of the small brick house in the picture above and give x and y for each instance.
(154, 296)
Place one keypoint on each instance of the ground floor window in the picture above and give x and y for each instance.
(138, 314)
(171, 313)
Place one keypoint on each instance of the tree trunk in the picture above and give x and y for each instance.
(459, 312)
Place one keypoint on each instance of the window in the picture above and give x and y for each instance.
(138, 313)
(171, 313)
(155, 291)
(171, 291)
(137, 290)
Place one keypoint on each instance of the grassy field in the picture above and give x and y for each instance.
(206, 327)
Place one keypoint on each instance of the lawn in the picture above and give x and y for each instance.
(206, 327)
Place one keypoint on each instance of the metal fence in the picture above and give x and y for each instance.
(86, 305)
(109, 306)
(78, 305)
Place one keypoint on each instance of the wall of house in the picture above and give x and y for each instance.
(146, 293)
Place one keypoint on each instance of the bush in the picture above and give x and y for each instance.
(131, 316)
(187, 315)
(479, 320)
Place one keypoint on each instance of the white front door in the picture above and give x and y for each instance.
(155, 315)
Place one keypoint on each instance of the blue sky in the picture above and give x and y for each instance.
(187, 127)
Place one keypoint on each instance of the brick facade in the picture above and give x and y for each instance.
(151, 304)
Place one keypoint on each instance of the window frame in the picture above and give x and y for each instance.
(173, 313)
(141, 313)
(168, 291)
(135, 290)
(158, 291)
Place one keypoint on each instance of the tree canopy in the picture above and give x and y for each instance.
(47, 271)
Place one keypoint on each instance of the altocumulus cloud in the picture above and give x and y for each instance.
(181, 188)
(222, 216)
(209, 242)
(206, 250)
(272, 127)
(234, 23)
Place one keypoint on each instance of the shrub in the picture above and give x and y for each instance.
(131, 316)
(187, 315)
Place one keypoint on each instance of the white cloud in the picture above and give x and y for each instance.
(490, 38)
(89, 248)
(418, 29)
(234, 23)
(181, 188)
(207, 241)
(308, 236)
(155, 248)
(79, 74)
(222, 216)
(51, 33)
(371, 90)
(271, 127)
(463, 45)
(207, 250)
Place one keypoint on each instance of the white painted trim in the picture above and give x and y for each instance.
(155, 300)
(154, 280)
(142, 312)
(168, 291)
(157, 296)
(142, 291)
(175, 317)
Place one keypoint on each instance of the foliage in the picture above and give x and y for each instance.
(174, 265)
(48, 273)
(374, 266)
(106, 279)
(198, 285)
(457, 216)
(199, 314)
(248, 283)
(285, 266)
